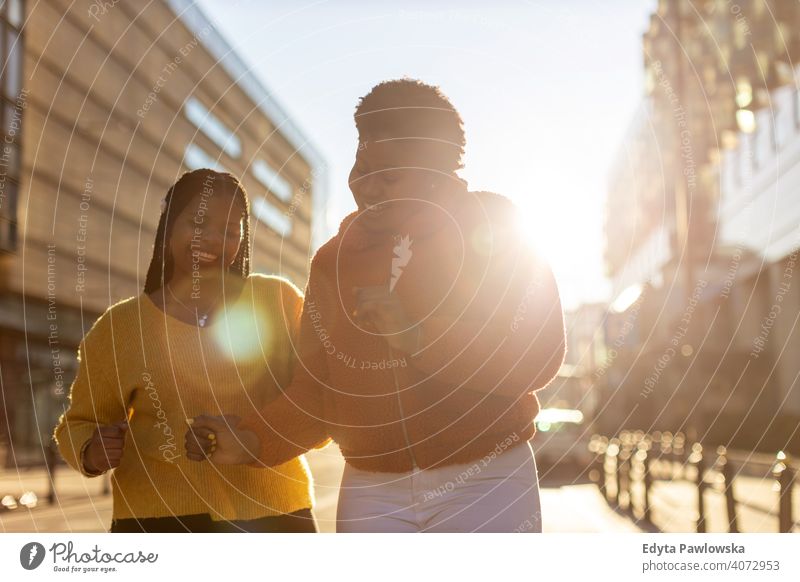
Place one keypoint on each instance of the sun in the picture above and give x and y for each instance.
(536, 231)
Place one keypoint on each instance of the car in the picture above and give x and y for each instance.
(561, 439)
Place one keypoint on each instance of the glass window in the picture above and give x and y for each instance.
(797, 108)
(216, 131)
(8, 215)
(274, 182)
(196, 157)
(12, 120)
(783, 109)
(11, 55)
(764, 140)
(784, 126)
(730, 177)
(15, 15)
(272, 216)
(9, 190)
(8, 234)
(13, 64)
(3, 52)
(9, 115)
(9, 158)
(745, 159)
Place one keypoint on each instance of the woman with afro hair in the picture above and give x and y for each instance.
(428, 326)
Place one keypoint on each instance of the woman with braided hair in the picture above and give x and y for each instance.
(205, 334)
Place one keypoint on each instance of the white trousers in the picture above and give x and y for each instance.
(499, 493)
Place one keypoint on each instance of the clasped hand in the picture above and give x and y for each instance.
(377, 309)
(216, 438)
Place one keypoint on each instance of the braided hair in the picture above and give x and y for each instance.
(178, 197)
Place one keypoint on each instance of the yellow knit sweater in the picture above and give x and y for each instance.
(135, 356)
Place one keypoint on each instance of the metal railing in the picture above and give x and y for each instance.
(626, 467)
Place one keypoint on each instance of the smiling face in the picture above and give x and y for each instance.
(390, 181)
(206, 236)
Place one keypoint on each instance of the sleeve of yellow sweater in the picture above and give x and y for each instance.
(95, 397)
(292, 424)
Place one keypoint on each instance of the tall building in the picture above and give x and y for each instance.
(709, 68)
(759, 231)
(104, 106)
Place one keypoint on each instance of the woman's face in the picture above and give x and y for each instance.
(206, 236)
(388, 182)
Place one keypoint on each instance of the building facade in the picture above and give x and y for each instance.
(105, 105)
(710, 70)
(759, 218)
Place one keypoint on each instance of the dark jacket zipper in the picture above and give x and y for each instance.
(402, 413)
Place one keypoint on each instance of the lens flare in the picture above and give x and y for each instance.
(244, 334)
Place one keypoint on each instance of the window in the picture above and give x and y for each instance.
(797, 107)
(764, 141)
(11, 107)
(13, 62)
(216, 131)
(745, 165)
(784, 116)
(272, 216)
(15, 13)
(273, 182)
(196, 157)
(730, 177)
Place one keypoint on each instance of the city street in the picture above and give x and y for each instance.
(434, 236)
(83, 508)
(568, 505)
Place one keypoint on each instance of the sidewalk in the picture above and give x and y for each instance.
(675, 506)
(81, 507)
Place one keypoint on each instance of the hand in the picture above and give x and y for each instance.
(377, 309)
(104, 450)
(216, 438)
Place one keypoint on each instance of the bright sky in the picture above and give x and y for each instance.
(546, 90)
